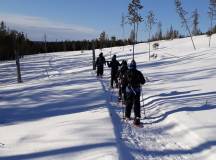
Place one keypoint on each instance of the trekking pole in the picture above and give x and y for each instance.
(143, 105)
(123, 111)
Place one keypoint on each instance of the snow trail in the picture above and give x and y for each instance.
(42, 119)
(147, 143)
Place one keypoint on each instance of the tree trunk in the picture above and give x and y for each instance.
(149, 45)
(189, 33)
(93, 56)
(123, 36)
(19, 79)
(17, 57)
(137, 27)
(134, 39)
(210, 40)
(210, 34)
(45, 43)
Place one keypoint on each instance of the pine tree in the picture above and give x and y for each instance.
(171, 36)
(103, 38)
(134, 17)
(3, 27)
(159, 32)
(172, 33)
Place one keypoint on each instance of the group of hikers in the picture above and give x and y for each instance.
(128, 80)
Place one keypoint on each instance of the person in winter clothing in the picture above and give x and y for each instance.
(122, 80)
(100, 62)
(114, 65)
(134, 81)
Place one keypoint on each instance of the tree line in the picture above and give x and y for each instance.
(12, 41)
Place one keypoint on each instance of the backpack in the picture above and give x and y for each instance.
(123, 75)
(135, 78)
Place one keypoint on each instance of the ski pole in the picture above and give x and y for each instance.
(133, 90)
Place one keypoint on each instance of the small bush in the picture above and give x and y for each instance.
(155, 45)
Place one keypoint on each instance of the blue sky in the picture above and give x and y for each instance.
(86, 19)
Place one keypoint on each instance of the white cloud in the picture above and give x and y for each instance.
(35, 27)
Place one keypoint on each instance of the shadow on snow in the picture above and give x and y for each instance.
(56, 152)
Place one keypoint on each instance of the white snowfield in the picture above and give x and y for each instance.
(63, 112)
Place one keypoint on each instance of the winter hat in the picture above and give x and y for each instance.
(124, 63)
(114, 57)
(133, 64)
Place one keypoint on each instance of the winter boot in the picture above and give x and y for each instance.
(119, 98)
(137, 121)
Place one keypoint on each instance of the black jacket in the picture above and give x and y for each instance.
(114, 64)
(100, 61)
(134, 78)
(122, 75)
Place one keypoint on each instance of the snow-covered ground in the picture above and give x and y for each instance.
(62, 111)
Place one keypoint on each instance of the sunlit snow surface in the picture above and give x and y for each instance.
(63, 112)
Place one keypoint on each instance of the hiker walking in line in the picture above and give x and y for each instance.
(100, 62)
(114, 65)
(122, 81)
(135, 80)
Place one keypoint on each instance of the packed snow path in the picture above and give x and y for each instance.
(147, 143)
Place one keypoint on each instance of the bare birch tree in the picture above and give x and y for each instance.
(212, 14)
(123, 28)
(182, 14)
(195, 17)
(150, 22)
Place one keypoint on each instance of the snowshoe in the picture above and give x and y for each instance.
(137, 121)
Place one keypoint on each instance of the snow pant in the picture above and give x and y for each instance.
(100, 71)
(114, 79)
(133, 101)
(122, 92)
